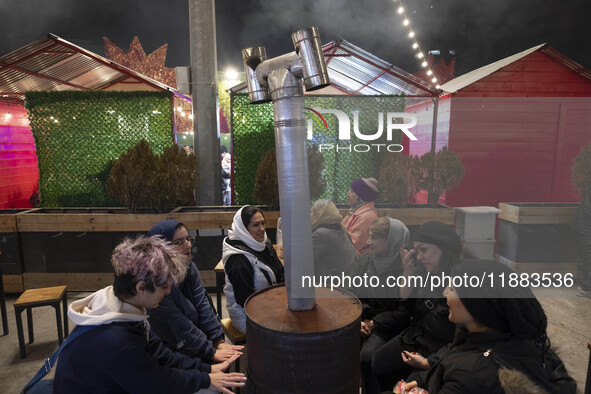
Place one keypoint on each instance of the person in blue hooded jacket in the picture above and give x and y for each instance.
(185, 319)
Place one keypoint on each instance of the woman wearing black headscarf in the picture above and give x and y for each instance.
(437, 248)
(502, 346)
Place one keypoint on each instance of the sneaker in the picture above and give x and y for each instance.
(584, 293)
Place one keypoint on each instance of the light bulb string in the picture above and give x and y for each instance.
(412, 34)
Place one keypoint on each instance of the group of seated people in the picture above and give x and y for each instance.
(156, 330)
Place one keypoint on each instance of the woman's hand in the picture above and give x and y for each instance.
(221, 380)
(223, 353)
(408, 260)
(367, 327)
(406, 387)
(415, 360)
(224, 345)
(222, 367)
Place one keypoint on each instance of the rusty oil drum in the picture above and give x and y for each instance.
(314, 351)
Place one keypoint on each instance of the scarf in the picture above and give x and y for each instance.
(328, 214)
(397, 237)
(239, 232)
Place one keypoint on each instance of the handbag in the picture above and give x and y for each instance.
(38, 386)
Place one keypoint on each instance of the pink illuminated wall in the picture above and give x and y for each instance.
(19, 172)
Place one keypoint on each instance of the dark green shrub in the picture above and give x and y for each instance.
(580, 171)
(398, 182)
(438, 172)
(266, 189)
(130, 176)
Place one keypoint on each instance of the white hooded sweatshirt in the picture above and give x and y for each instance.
(104, 307)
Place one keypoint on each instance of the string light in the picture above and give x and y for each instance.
(415, 45)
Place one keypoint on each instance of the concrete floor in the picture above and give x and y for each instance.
(569, 329)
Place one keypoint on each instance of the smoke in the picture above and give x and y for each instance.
(480, 32)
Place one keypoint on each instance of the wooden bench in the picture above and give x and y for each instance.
(48, 296)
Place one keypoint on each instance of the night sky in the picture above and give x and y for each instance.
(479, 31)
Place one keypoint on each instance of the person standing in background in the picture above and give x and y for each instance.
(362, 213)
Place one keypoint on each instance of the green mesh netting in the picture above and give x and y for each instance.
(253, 135)
(78, 134)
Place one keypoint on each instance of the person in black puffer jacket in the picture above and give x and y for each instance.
(437, 248)
(502, 346)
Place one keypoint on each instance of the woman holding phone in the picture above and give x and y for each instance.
(437, 248)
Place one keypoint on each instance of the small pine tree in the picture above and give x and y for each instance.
(173, 180)
(397, 181)
(141, 178)
(266, 189)
(580, 171)
(130, 175)
(438, 172)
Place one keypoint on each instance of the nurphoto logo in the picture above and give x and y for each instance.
(394, 121)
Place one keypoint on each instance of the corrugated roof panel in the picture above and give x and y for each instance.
(71, 68)
(389, 83)
(31, 83)
(356, 64)
(343, 80)
(26, 50)
(99, 77)
(370, 91)
(42, 61)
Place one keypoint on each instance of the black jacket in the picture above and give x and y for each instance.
(240, 271)
(473, 363)
(430, 327)
(382, 304)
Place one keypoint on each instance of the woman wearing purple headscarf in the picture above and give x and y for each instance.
(362, 213)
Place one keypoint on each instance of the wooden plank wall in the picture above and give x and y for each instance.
(517, 131)
(18, 163)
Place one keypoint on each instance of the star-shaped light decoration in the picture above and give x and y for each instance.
(152, 66)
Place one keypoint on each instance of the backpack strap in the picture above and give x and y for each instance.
(50, 362)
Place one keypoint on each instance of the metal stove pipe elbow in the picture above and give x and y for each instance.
(252, 57)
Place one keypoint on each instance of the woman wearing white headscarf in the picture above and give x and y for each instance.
(384, 316)
(250, 262)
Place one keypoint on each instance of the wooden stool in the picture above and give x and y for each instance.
(234, 336)
(40, 297)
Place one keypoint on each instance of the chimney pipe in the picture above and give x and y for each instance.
(281, 79)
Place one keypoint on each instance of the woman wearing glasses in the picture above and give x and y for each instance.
(250, 262)
(185, 319)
